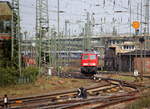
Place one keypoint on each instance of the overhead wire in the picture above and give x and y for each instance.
(128, 8)
(113, 3)
(79, 14)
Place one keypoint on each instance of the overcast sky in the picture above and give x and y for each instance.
(75, 10)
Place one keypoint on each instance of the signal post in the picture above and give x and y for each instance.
(136, 25)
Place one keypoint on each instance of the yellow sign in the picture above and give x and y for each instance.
(136, 24)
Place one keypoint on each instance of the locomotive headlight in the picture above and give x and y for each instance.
(93, 64)
(85, 63)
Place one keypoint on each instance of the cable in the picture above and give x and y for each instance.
(77, 15)
(127, 9)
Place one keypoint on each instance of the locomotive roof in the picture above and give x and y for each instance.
(92, 52)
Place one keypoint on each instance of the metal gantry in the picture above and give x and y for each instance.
(42, 29)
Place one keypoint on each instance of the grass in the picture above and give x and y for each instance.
(44, 85)
(125, 78)
(71, 69)
(140, 104)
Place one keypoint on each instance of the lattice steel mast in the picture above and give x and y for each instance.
(87, 34)
(16, 34)
(42, 28)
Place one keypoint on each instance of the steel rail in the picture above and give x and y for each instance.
(52, 96)
(50, 99)
(75, 103)
(64, 105)
(121, 74)
(93, 101)
(124, 99)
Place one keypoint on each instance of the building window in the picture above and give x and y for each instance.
(5, 27)
(128, 47)
(113, 42)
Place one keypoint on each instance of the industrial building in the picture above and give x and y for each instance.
(5, 32)
(8, 34)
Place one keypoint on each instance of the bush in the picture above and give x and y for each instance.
(11, 76)
(8, 76)
(31, 73)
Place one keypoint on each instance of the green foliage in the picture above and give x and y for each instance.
(11, 76)
(5, 62)
(5, 54)
(8, 76)
(31, 73)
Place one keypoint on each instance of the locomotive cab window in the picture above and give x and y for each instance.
(85, 57)
(93, 57)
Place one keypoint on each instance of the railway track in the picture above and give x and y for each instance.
(121, 74)
(55, 96)
(78, 75)
(100, 102)
(96, 94)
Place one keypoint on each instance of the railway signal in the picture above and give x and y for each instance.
(136, 25)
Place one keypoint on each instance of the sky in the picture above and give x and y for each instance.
(106, 15)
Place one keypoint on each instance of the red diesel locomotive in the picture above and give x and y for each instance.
(89, 63)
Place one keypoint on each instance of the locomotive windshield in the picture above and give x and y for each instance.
(93, 57)
(85, 57)
(89, 57)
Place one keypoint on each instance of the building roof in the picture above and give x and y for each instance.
(5, 10)
(137, 53)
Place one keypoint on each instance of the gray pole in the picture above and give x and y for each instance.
(58, 18)
(147, 16)
(12, 37)
(58, 35)
(25, 34)
(66, 28)
(141, 56)
(141, 16)
(130, 17)
(19, 53)
(87, 32)
(19, 39)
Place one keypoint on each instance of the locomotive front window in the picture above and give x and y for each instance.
(85, 57)
(92, 57)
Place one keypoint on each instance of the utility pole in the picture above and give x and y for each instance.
(58, 20)
(12, 34)
(16, 32)
(141, 40)
(53, 46)
(145, 44)
(147, 16)
(146, 31)
(66, 28)
(141, 16)
(25, 38)
(58, 36)
(87, 33)
(42, 28)
(130, 17)
(69, 48)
